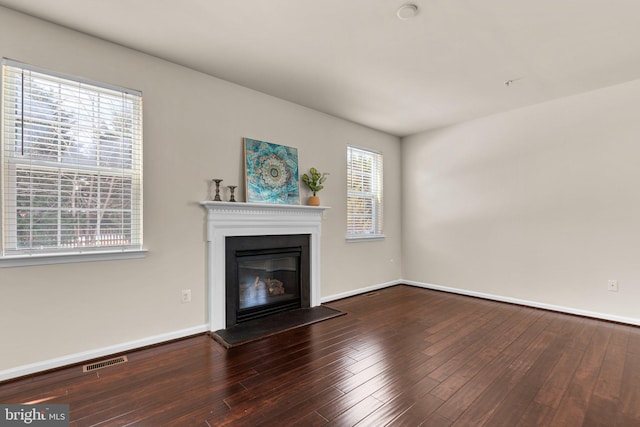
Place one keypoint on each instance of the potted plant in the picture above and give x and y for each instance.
(314, 181)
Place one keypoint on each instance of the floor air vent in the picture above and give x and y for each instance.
(104, 363)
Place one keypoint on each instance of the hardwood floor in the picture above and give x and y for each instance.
(402, 356)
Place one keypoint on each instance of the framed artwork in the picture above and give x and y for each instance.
(271, 173)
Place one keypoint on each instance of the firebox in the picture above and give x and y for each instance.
(266, 275)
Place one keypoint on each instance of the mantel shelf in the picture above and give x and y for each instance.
(244, 206)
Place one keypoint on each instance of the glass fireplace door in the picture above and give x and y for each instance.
(266, 280)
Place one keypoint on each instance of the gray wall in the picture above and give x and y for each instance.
(193, 130)
(539, 204)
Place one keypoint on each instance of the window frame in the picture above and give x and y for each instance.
(11, 255)
(376, 195)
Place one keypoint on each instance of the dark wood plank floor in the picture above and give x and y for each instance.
(402, 356)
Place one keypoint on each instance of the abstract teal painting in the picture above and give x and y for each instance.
(271, 173)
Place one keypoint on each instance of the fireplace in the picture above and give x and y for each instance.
(265, 275)
(229, 219)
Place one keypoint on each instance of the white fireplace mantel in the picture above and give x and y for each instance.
(226, 219)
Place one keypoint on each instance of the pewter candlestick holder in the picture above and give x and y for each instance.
(217, 197)
(231, 190)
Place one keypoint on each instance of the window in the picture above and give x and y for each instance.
(364, 193)
(71, 165)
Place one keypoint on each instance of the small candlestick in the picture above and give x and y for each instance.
(217, 197)
(231, 189)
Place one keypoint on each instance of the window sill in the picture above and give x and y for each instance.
(65, 258)
(356, 239)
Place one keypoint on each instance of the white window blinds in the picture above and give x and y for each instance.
(71, 164)
(364, 193)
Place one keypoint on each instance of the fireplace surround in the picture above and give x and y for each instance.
(225, 219)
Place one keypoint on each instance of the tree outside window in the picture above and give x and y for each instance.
(72, 168)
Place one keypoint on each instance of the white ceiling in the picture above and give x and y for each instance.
(356, 60)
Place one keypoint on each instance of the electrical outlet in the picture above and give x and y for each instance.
(612, 285)
(186, 296)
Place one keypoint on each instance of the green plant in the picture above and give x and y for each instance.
(314, 180)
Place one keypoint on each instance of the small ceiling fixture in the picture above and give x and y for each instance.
(512, 81)
(407, 11)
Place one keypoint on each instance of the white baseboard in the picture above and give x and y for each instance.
(97, 353)
(157, 339)
(534, 304)
(360, 291)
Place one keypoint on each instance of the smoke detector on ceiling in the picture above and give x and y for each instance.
(407, 11)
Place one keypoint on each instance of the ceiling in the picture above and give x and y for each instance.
(356, 60)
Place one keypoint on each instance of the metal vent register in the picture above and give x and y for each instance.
(104, 363)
